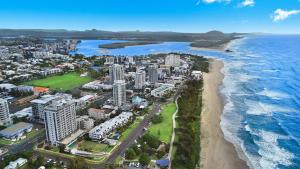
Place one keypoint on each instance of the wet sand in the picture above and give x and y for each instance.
(216, 152)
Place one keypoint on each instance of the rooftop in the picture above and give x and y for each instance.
(68, 140)
(16, 128)
(41, 89)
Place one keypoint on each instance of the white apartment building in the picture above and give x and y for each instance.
(60, 120)
(50, 71)
(38, 105)
(97, 85)
(100, 131)
(84, 123)
(116, 72)
(109, 60)
(4, 113)
(119, 92)
(100, 114)
(162, 90)
(172, 60)
(139, 81)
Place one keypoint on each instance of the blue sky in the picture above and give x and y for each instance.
(269, 16)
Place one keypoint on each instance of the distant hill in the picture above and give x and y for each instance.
(211, 36)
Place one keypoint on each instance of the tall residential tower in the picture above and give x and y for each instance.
(139, 80)
(60, 120)
(152, 72)
(4, 113)
(119, 92)
(116, 72)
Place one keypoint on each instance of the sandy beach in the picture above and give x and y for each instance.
(222, 48)
(216, 152)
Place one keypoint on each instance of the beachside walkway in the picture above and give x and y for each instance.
(173, 133)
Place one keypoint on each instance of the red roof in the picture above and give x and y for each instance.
(41, 89)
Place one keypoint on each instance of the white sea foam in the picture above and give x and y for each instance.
(273, 94)
(271, 153)
(271, 70)
(259, 108)
(244, 77)
(247, 128)
(230, 124)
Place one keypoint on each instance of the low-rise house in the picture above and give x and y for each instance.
(197, 75)
(16, 131)
(110, 142)
(40, 90)
(26, 112)
(162, 163)
(100, 114)
(16, 164)
(82, 102)
(7, 87)
(23, 88)
(139, 102)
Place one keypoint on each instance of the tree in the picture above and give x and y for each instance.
(136, 149)
(61, 148)
(39, 161)
(76, 93)
(157, 119)
(130, 154)
(151, 140)
(78, 163)
(144, 159)
(160, 154)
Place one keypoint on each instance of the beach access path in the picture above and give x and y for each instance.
(173, 133)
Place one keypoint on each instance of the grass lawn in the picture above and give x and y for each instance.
(5, 141)
(34, 133)
(64, 82)
(130, 129)
(163, 130)
(68, 156)
(93, 146)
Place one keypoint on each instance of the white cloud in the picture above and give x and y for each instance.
(248, 3)
(281, 14)
(211, 1)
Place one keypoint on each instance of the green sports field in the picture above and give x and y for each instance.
(64, 82)
(163, 130)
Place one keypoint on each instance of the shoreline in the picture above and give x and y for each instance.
(216, 152)
(220, 48)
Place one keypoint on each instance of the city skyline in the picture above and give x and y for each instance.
(154, 15)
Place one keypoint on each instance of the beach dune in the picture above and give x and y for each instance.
(216, 152)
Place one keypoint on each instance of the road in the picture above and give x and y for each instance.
(133, 136)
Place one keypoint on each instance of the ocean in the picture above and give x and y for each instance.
(261, 91)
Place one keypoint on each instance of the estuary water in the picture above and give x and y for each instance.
(261, 91)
